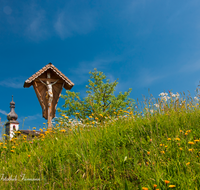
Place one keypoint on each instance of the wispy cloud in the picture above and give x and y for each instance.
(30, 117)
(147, 77)
(69, 23)
(37, 28)
(190, 67)
(102, 64)
(40, 21)
(180, 12)
(16, 82)
(33, 117)
(3, 112)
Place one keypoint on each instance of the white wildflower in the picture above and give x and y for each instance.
(162, 94)
(151, 111)
(156, 105)
(195, 98)
(165, 98)
(173, 95)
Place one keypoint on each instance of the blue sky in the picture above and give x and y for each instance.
(146, 44)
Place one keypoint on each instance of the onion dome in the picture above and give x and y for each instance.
(12, 115)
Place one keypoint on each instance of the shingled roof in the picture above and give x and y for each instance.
(68, 86)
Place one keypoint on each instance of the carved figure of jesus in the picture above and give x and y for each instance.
(49, 90)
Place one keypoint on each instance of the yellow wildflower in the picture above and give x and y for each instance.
(77, 113)
(190, 142)
(180, 148)
(63, 130)
(148, 153)
(196, 140)
(144, 188)
(34, 127)
(163, 152)
(171, 186)
(13, 147)
(187, 163)
(12, 151)
(178, 139)
(44, 123)
(154, 185)
(4, 147)
(169, 139)
(186, 133)
(166, 181)
(29, 155)
(191, 150)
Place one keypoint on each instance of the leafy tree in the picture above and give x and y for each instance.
(100, 100)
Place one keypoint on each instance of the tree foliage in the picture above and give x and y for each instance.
(100, 100)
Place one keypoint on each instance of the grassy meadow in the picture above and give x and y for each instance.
(155, 145)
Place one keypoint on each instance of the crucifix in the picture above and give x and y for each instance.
(49, 95)
(48, 83)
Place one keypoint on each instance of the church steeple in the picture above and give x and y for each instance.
(12, 125)
(12, 115)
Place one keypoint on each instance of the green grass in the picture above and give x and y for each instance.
(134, 152)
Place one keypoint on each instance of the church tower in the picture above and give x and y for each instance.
(12, 125)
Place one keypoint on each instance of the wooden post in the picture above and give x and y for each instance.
(49, 106)
(49, 117)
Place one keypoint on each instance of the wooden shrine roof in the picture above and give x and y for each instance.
(68, 84)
